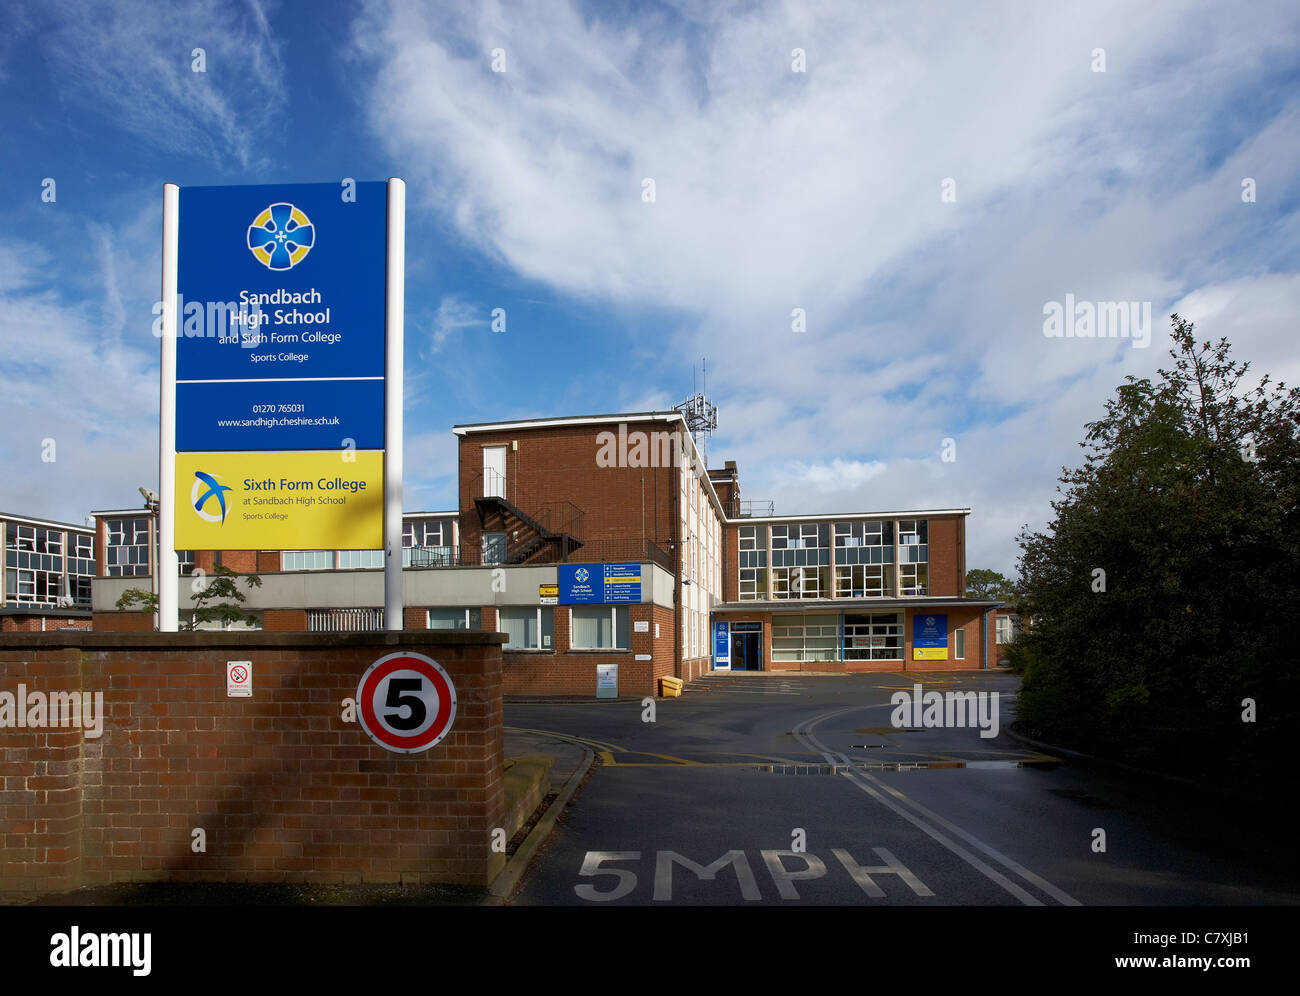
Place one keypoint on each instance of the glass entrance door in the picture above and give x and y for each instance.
(746, 651)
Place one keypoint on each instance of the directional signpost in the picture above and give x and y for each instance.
(281, 326)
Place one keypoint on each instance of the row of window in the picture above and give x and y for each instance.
(817, 535)
(851, 581)
(867, 637)
(591, 627)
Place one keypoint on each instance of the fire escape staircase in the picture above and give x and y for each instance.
(527, 538)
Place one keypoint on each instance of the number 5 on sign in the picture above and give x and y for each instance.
(406, 703)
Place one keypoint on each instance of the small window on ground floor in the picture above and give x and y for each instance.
(959, 644)
(455, 619)
(530, 628)
(600, 627)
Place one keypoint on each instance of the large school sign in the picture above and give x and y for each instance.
(282, 351)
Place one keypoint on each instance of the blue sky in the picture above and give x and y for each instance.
(775, 190)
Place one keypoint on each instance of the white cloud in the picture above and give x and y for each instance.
(821, 190)
(131, 65)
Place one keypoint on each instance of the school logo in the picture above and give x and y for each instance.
(281, 236)
(207, 489)
(582, 575)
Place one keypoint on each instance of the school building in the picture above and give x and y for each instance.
(601, 544)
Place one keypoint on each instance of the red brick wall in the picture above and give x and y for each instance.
(32, 624)
(284, 789)
(559, 464)
(947, 560)
(280, 620)
(730, 563)
(573, 672)
(122, 622)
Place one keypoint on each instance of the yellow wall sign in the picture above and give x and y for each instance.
(929, 653)
(280, 501)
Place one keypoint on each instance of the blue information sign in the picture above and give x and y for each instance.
(929, 637)
(284, 286)
(721, 645)
(623, 583)
(582, 584)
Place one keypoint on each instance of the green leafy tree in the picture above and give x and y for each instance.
(207, 607)
(1161, 590)
(981, 583)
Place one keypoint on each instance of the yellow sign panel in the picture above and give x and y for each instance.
(929, 653)
(548, 590)
(280, 501)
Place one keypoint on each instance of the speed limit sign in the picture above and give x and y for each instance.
(406, 703)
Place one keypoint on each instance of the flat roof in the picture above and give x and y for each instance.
(28, 520)
(828, 516)
(823, 604)
(541, 423)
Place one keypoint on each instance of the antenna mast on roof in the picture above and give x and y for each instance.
(701, 417)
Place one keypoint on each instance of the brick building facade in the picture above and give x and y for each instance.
(627, 494)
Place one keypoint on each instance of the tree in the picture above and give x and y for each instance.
(981, 583)
(1160, 591)
(206, 608)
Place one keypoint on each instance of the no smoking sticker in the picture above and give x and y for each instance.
(406, 703)
(239, 679)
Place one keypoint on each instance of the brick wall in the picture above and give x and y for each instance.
(558, 463)
(41, 624)
(284, 789)
(573, 672)
(947, 556)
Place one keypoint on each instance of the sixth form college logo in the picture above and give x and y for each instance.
(281, 236)
(204, 491)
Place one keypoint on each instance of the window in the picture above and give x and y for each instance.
(127, 554)
(864, 581)
(427, 543)
(600, 627)
(360, 558)
(455, 619)
(1007, 628)
(874, 637)
(959, 643)
(913, 579)
(494, 548)
(806, 638)
(800, 582)
(864, 542)
(308, 560)
(531, 628)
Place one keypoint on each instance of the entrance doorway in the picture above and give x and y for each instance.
(746, 649)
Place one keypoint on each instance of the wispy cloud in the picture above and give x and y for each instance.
(133, 65)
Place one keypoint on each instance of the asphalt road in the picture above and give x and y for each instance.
(783, 790)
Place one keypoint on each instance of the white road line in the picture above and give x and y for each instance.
(864, 781)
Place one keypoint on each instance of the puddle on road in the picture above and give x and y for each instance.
(835, 769)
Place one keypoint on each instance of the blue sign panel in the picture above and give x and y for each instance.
(580, 584)
(281, 415)
(281, 281)
(929, 630)
(721, 646)
(623, 583)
